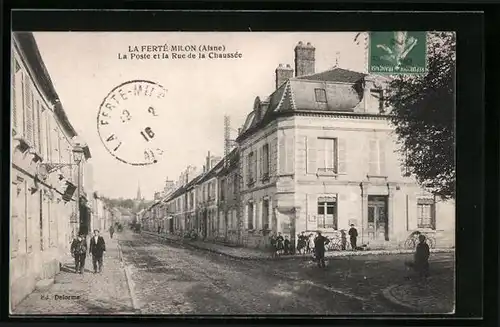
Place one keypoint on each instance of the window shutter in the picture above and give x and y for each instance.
(48, 137)
(39, 121)
(342, 155)
(13, 98)
(261, 162)
(273, 159)
(282, 155)
(381, 149)
(255, 165)
(312, 211)
(311, 152)
(372, 157)
(290, 154)
(18, 99)
(28, 120)
(36, 117)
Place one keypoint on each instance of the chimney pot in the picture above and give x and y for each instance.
(300, 43)
(309, 43)
(280, 65)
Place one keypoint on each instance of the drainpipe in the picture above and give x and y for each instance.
(362, 213)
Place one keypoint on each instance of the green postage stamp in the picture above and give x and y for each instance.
(398, 52)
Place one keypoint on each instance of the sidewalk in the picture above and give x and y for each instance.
(104, 293)
(255, 254)
(434, 296)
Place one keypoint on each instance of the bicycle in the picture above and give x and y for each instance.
(412, 240)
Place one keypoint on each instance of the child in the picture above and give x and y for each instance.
(421, 263)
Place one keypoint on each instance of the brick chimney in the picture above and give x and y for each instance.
(304, 59)
(283, 74)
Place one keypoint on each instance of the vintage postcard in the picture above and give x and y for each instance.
(232, 173)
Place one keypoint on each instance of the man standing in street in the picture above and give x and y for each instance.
(97, 249)
(79, 252)
(111, 231)
(319, 249)
(353, 234)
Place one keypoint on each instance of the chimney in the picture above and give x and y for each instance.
(283, 74)
(304, 59)
(207, 162)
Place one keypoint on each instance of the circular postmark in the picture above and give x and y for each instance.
(129, 124)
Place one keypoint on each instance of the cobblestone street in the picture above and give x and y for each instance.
(173, 279)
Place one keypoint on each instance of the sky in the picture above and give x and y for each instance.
(85, 67)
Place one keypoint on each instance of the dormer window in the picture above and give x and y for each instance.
(320, 95)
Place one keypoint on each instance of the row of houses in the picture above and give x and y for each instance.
(318, 153)
(48, 162)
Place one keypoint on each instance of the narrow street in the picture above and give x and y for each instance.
(174, 279)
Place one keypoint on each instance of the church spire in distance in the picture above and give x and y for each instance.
(139, 196)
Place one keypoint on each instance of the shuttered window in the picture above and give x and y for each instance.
(376, 157)
(28, 106)
(327, 155)
(286, 154)
(39, 134)
(265, 162)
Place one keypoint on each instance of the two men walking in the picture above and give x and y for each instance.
(79, 252)
(97, 249)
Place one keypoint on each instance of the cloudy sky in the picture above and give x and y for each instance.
(84, 68)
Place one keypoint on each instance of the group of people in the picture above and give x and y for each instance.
(97, 250)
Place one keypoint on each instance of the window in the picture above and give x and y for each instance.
(251, 168)
(235, 185)
(28, 104)
(327, 155)
(265, 214)
(425, 214)
(376, 159)
(327, 212)
(222, 189)
(17, 98)
(265, 162)
(250, 216)
(320, 95)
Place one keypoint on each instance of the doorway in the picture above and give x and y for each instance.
(377, 217)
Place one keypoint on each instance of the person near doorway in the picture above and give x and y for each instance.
(79, 251)
(111, 231)
(287, 245)
(279, 244)
(97, 250)
(353, 235)
(319, 249)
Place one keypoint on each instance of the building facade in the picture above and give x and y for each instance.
(44, 174)
(319, 153)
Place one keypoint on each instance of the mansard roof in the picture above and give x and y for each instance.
(343, 90)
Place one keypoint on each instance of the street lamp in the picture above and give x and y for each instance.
(78, 157)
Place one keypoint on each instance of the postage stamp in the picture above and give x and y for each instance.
(398, 52)
(177, 148)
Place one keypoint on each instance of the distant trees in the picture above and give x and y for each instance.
(423, 115)
(126, 203)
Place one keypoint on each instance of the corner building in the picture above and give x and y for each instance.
(320, 154)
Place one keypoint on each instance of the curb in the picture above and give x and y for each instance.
(296, 257)
(386, 293)
(128, 278)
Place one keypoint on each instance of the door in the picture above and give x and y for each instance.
(205, 223)
(377, 218)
